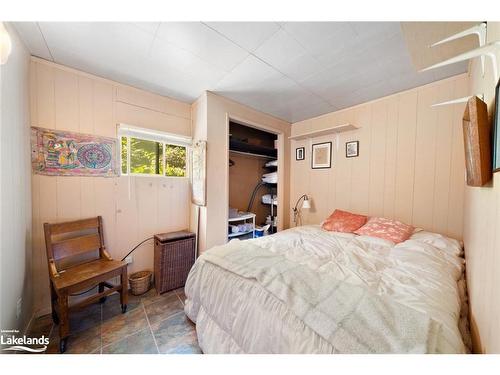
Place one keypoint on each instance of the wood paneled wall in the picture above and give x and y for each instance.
(132, 208)
(16, 282)
(481, 228)
(410, 165)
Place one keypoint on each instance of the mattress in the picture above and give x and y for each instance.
(239, 312)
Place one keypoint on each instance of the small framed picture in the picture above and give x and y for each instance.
(321, 155)
(352, 149)
(300, 153)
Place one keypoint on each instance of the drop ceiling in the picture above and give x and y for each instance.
(291, 70)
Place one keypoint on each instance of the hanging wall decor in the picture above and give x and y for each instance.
(300, 153)
(352, 149)
(62, 153)
(321, 155)
(198, 175)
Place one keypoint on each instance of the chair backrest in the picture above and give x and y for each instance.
(59, 249)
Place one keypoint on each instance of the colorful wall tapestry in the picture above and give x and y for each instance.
(61, 153)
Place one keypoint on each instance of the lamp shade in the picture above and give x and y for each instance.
(307, 203)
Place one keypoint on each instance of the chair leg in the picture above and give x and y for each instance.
(64, 322)
(53, 302)
(101, 289)
(124, 290)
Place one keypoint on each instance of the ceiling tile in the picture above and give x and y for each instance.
(323, 40)
(305, 107)
(245, 75)
(324, 82)
(295, 70)
(248, 35)
(165, 54)
(204, 42)
(311, 111)
(33, 38)
(280, 49)
(363, 29)
(110, 41)
(149, 27)
(300, 68)
(451, 70)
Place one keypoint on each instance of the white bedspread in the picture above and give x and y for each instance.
(306, 290)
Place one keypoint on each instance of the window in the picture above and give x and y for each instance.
(152, 153)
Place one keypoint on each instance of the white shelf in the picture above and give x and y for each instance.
(239, 233)
(242, 217)
(331, 130)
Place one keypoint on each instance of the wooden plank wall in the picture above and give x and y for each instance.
(410, 166)
(481, 234)
(65, 99)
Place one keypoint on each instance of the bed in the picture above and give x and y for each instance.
(307, 290)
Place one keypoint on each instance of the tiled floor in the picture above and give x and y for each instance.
(152, 324)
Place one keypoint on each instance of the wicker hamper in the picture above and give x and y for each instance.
(174, 257)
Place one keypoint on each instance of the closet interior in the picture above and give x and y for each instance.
(253, 182)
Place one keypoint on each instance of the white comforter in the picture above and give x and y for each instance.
(414, 286)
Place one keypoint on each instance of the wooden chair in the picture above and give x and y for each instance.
(80, 275)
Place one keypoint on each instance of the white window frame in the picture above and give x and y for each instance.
(129, 131)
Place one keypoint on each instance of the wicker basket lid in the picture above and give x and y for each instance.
(173, 236)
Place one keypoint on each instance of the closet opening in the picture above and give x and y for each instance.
(253, 182)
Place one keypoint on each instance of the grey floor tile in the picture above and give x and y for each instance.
(176, 334)
(141, 342)
(163, 308)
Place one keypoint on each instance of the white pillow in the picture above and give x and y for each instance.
(444, 243)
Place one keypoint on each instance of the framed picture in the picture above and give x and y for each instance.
(321, 155)
(496, 131)
(300, 153)
(352, 149)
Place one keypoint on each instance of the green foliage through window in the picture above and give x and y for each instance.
(175, 160)
(153, 158)
(124, 155)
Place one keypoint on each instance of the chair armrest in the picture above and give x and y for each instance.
(106, 255)
(53, 268)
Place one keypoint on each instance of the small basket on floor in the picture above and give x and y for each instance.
(140, 282)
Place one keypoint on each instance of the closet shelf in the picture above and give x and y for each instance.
(238, 146)
(331, 130)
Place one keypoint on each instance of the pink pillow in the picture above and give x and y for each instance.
(343, 221)
(387, 229)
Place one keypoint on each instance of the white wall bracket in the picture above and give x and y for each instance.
(479, 30)
(487, 50)
(465, 99)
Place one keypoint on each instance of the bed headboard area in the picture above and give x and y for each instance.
(410, 164)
